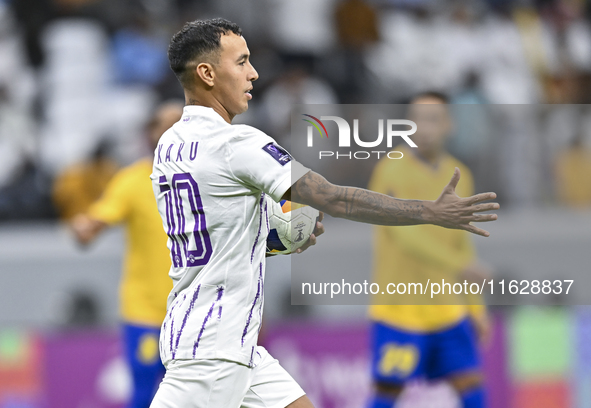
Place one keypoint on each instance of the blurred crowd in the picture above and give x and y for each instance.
(79, 80)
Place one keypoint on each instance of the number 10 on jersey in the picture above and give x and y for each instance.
(185, 221)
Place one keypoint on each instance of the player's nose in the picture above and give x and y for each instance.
(253, 74)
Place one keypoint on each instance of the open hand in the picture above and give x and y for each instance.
(451, 211)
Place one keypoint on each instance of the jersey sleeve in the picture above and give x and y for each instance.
(113, 206)
(258, 161)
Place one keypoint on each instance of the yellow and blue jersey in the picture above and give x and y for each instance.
(417, 253)
(145, 285)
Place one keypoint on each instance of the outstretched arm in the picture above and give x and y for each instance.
(357, 204)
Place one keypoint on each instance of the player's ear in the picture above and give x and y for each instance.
(205, 72)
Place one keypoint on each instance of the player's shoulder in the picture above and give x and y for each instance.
(253, 146)
(141, 167)
(245, 139)
(174, 134)
(382, 179)
(247, 133)
(138, 170)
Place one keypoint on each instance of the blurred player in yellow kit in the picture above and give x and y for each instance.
(129, 200)
(436, 342)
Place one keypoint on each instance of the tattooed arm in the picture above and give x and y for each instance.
(357, 204)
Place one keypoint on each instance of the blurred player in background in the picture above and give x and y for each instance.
(210, 179)
(81, 184)
(573, 174)
(425, 341)
(129, 200)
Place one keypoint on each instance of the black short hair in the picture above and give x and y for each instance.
(197, 39)
(431, 94)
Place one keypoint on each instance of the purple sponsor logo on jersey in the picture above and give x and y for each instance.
(277, 153)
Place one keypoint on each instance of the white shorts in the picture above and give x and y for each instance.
(226, 384)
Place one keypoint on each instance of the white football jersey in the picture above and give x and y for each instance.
(209, 179)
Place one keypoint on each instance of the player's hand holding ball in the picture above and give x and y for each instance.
(292, 227)
(318, 230)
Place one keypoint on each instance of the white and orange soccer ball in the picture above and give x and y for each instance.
(290, 225)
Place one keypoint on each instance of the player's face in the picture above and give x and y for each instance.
(433, 125)
(234, 74)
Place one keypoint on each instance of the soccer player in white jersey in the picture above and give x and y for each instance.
(210, 178)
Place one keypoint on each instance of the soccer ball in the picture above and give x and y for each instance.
(290, 225)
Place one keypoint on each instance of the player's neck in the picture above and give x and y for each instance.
(209, 102)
